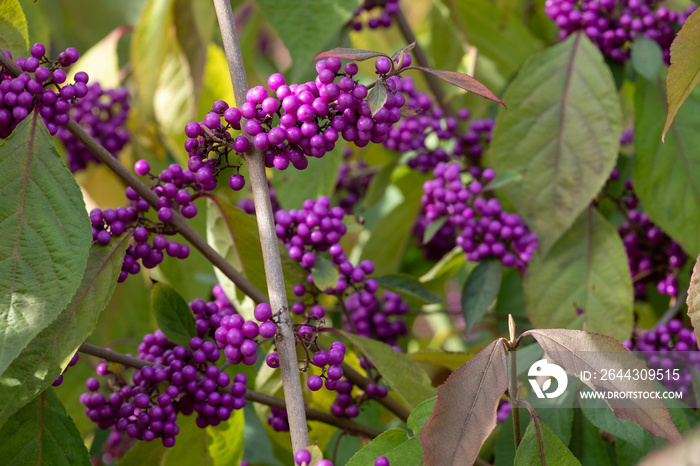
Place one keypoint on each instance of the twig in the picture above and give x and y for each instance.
(257, 397)
(113, 356)
(268, 240)
(673, 310)
(536, 420)
(145, 192)
(513, 394)
(422, 59)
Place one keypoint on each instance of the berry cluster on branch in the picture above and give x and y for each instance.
(614, 25)
(40, 86)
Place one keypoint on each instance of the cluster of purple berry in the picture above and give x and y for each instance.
(613, 25)
(181, 381)
(208, 315)
(278, 420)
(297, 121)
(484, 229)
(33, 89)
(442, 242)
(386, 9)
(653, 257)
(73, 362)
(176, 189)
(669, 347)
(318, 228)
(352, 183)
(103, 114)
(432, 136)
(237, 336)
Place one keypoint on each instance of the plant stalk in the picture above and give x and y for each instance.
(513, 397)
(268, 239)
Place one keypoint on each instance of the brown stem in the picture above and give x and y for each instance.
(257, 397)
(268, 240)
(422, 59)
(113, 356)
(178, 221)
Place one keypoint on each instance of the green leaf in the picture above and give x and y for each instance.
(667, 175)
(583, 280)
(380, 446)
(602, 417)
(193, 39)
(234, 234)
(480, 291)
(577, 351)
(42, 433)
(45, 236)
(45, 358)
(378, 185)
(215, 88)
(433, 228)
(508, 46)
(450, 360)
(306, 26)
(555, 452)
(501, 180)
(174, 97)
(101, 61)
(684, 72)
(646, 57)
(324, 273)
(587, 445)
(148, 49)
(226, 445)
(465, 411)
(420, 415)
(561, 134)
(402, 375)
(377, 97)
(191, 445)
(461, 80)
(407, 286)
(144, 453)
(13, 28)
(293, 186)
(173, 315)
(693, 299)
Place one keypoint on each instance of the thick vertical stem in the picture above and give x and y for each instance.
(268, 238)
(513, 397)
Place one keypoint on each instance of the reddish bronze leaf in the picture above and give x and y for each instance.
(465, 410)
(576, 351)
(350, 54)
(461, 80)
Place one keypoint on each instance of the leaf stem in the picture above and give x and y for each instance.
(268, 240)
(257, 397)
